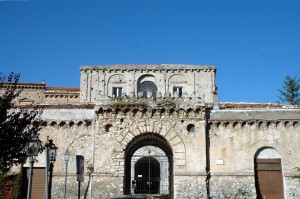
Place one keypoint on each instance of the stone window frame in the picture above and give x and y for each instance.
(149, 78)
(178, 89)
(177, 80)
(117, 91)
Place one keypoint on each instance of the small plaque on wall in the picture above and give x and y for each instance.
(220, 162)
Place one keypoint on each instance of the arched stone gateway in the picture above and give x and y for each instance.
(268, 174)
(149, 165)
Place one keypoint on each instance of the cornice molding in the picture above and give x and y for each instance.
(256, 123)
(144, 111)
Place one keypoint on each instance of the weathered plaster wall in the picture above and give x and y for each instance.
(237, 135)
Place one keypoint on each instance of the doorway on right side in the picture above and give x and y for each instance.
(268, 174)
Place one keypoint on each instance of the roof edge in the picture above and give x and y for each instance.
(145, 67)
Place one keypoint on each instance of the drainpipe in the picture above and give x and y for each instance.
(94, 137)
(194, 83)
(207, 138)
(93, 155)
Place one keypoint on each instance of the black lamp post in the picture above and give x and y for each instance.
(33, 146)
(67, 156)
(50, 159)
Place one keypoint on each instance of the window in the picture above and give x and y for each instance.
(117, 91)
(190, 128)
(108, 128)
(147, 86)
(177, 89)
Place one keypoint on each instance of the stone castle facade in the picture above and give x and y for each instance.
(160, 130)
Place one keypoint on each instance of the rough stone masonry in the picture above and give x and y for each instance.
(160, 130)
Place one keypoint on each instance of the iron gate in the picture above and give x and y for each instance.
(150, 172)
(149, 166)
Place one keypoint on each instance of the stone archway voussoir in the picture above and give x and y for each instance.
(178, 148)
(129, 136)
(175, 140)
(150, 128)
(170, 135)
(136, 132)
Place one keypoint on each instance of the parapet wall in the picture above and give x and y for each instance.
(166, 80)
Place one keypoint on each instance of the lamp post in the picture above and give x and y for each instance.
(50, 159)
(33, 146)
(67, 156)
(90, 172)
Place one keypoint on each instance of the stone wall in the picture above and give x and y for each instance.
(237, 136)
(31, 93)
(292, 190)
(97, 82)
(210, 153)
(61, 95)
(38, 94)
(224, 145)
(99, 185)
(236, 139)
(102, 136)
(190, 186)
(232, 185)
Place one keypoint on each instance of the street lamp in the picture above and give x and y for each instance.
(90, 172)
(50, 159)
(33, 146)
(67, 156)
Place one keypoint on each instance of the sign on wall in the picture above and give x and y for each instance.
(80, 168)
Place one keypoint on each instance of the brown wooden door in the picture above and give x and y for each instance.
(269, 176)
(38, 182)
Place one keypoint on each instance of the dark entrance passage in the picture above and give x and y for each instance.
(147, 176)
(149, 166)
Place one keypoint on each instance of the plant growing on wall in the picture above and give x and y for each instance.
(15, 124)
(297, 175)
(290, 91)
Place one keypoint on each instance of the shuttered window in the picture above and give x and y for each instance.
(268, 164)
(38, 182)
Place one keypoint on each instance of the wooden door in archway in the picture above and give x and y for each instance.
(269, 179)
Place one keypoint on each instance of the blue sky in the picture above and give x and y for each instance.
(253, 43)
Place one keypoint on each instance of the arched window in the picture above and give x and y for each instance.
(147, 86)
